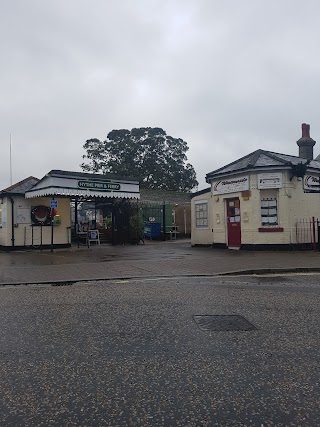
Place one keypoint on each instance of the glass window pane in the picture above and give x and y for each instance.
(201, 214)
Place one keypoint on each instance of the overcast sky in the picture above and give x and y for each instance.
(228, 77)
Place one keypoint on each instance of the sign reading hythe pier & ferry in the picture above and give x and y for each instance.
(99, 185)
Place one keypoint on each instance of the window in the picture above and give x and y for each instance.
(201, 214)
(269, 211)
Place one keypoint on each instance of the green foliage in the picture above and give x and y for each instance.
(148, 154)
(136, 223)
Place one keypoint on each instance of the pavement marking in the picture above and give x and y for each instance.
(123, 281)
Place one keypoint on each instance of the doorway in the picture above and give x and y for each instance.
(233, 223)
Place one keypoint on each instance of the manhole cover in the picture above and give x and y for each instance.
(223, 323)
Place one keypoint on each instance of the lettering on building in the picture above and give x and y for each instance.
(232, 185)
(99, 185)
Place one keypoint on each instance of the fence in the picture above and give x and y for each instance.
(307, 233)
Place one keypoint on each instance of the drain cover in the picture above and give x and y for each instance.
(223, 323)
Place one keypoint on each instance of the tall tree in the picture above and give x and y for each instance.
(149, 154)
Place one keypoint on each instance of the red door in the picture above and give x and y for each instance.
(233, 223)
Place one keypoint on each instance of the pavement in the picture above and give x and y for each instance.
(155, 259)
(129, 353)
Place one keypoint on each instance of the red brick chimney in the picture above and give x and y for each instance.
(306, 143)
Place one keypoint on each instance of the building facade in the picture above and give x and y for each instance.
(257, 201)
(37, 213)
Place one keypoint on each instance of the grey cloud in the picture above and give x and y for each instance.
(228, 77)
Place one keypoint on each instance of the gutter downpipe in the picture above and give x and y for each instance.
(12, 220)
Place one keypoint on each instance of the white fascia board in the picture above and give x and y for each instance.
(63, 192)
(248, 171)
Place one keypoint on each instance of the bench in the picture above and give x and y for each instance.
(172, 231)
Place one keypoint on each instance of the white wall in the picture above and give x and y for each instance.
(4, 222)
(23, 232)
(203, 235)
(293, 205)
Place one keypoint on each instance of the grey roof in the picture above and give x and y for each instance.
(61, 173)
(265, 160)
(161, 196)
(21, 187)
(261, 159)
(198, 193)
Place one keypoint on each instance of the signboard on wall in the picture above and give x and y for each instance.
(269, 180)
(23, 215)
(231, 185)
(99, 185)
(4, 215)
(311, 184)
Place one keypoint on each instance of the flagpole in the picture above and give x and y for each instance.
(10, 161)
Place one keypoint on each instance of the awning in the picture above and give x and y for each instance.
(65, 192)
(84, 185)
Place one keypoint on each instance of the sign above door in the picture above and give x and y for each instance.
(230, 185)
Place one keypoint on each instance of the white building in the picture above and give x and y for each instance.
(37, 213)
(257, 201)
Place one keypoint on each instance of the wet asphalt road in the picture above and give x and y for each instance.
(129, 353)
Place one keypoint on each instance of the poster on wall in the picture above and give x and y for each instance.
(23, 215)
(4, 215)
(269, 180)
(230, 185)
(311, 184)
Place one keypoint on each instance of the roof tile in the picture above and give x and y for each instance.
(262, 159)
(22, 186)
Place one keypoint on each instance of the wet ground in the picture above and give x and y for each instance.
(129, 353)
(155, 259)
(100, 253)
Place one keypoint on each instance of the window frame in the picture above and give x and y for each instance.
(273, 206)
(197, 208)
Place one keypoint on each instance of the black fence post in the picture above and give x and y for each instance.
(164, 236)
(113, 225)
(52, 219)
(76, 228)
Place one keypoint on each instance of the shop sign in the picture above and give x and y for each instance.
(93, 234)
(98, 185)
(269, 180)
(231, 185)
(311, 183)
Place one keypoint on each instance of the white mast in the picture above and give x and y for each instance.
(10, 162)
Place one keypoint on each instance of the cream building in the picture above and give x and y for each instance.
(37, 213)
(258, 200)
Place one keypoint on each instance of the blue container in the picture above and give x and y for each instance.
(152, 230)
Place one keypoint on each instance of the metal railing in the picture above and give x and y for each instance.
(307, 233)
